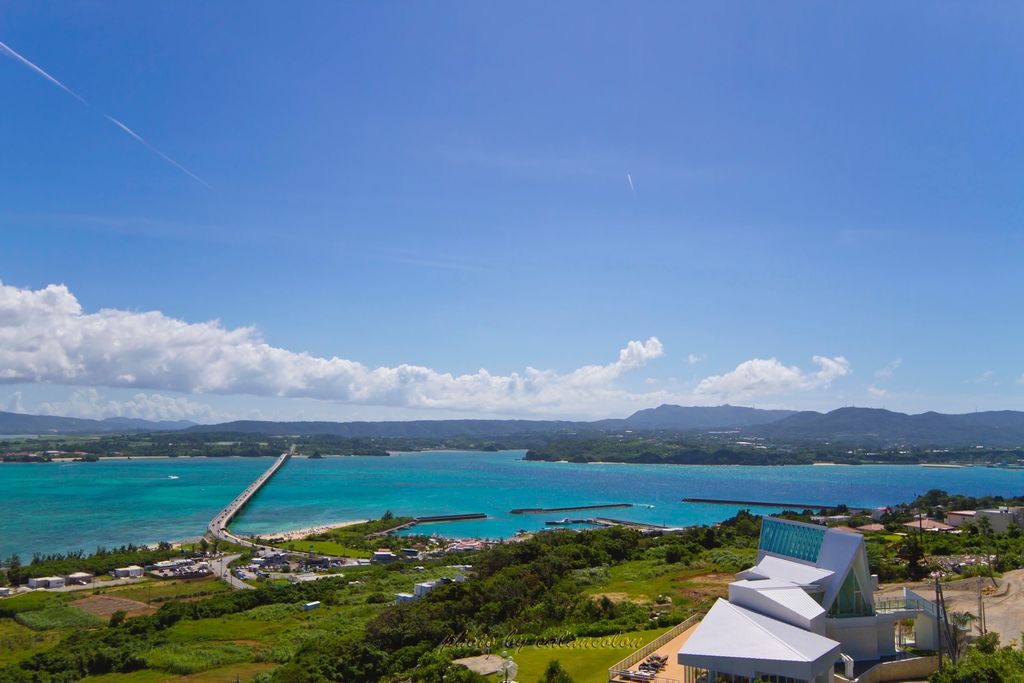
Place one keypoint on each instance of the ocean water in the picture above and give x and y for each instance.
(66, 506)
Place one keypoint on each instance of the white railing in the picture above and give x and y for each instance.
(617, 669)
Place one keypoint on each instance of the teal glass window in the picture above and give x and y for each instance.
(791, 540)
(851, 602)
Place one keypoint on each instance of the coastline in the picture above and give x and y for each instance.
(297, 534)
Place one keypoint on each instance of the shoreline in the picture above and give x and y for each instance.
(298, 534)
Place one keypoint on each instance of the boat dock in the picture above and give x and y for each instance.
(761, 503)
(531, 511)
(219, 525)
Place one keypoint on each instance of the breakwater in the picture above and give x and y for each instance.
(602, 506)
(762, 503)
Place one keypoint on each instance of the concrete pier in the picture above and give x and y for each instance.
(218, 527)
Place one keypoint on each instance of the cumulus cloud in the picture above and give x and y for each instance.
(45, 336)
(14, 403)
(889, 369)
(89, 403)
(769, 377)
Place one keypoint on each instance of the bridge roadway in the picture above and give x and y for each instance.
(218, 527)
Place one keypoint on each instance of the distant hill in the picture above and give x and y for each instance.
(665, 417)
(865, 426)
(18, 423)
(885, 427)
(402, 429)
(702, 417)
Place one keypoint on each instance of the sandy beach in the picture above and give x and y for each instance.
(296, 534)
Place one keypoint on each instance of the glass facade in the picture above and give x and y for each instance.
(791, 540)
(851, 601)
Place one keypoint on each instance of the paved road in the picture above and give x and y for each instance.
(221, 569)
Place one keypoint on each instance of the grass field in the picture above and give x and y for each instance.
(332, 548)
(645, 580)
(586, 659)
(19, 642)
(162, 591)
(57, 617)
(26, 602)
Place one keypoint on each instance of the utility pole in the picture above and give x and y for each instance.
(938, 619)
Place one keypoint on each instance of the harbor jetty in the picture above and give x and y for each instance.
(640, 526)
(429, 518)
(762, 503)
(218, 527)
(532, 511)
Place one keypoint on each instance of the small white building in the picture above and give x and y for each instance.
(46, 582)
(129, 572)
(384, 555)
(311, 606)
(404, 597)
(80, 578)
(958, 517)
(4, 591)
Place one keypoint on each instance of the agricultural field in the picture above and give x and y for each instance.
(154, 591)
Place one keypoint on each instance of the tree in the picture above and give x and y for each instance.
(117, 618)
(555, 673)
(204, 545)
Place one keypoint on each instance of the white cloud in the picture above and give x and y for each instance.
(45, 336)
(89, 403)
(985, 377)
(769, 377)
(889, 369)
(14, 403)
(877, 391)
(694, 358)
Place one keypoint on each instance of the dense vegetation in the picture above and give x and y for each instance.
(717, 449)
(538, 589)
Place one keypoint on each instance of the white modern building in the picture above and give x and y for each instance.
(807, 604)
(46, 582)
(131, 571)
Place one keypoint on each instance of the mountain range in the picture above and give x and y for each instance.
(20, 423)
(866, 426)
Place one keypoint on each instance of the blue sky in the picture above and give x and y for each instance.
(444, 187)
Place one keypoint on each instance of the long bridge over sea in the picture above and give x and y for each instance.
(218, 527)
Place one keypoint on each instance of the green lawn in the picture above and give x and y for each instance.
(27, 602)
(586, 659)
(332, 548)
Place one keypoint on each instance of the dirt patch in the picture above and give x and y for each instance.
(105, 605)
(618, 597)
(484, 665)
(706, 587)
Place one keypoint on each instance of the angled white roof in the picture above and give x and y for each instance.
(841, 553)
(769, 646)
(781, 600)
(771, 567)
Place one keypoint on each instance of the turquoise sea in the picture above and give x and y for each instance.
(66, 506)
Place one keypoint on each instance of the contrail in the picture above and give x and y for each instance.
(154, 150)
(14, 55)
(631, 188)
(5, 49)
